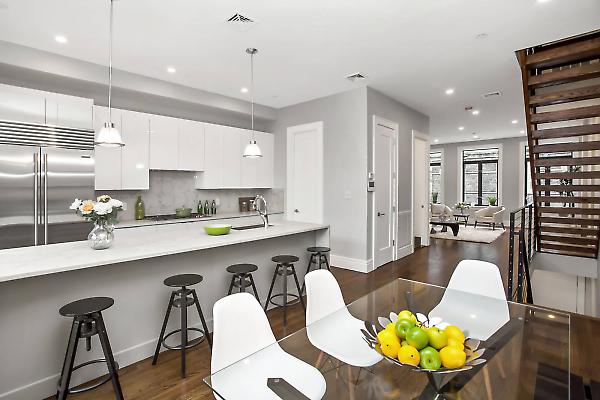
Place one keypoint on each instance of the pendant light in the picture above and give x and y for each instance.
(109, 136)
(252, 150)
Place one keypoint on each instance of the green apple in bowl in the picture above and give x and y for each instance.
(437, 338)
(402, 327)
(430, 359)
(417, 337)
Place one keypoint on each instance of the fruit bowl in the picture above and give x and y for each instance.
(449, 351)
(217, 229)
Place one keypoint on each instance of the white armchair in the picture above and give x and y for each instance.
(492, 215)
(440, 209)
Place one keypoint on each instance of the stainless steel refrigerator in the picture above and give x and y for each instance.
(42, 169)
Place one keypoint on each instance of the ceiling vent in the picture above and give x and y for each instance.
(491, 95)
(355, 77)
(240, 22)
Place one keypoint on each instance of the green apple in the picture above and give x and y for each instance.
(417, 337)
(402, 326)
(437, 338)
(430, 358)
(405, 314)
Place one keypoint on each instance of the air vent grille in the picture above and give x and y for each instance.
(491, 94)
(28, 134)
(240, 22)
(355, 77)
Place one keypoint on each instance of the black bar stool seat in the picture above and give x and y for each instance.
(318, 256)
(182, 299)
(318, 249)
(242, 278)
(285, 267)
(87, 322)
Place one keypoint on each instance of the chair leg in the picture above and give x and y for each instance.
(502, 224)
(493, 226)
(67, 369)
(271, 288)
(475, 226)
(298, 287)
(242, 279)
(319, 360)
(488, 384)
(327, 263)
(254, 288)
(108, 356)
(284, 293)
(231, 285)
(201, 314)
(350, 385)
(163, 329)
(308, 269)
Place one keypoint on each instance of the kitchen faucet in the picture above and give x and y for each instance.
(264, 215)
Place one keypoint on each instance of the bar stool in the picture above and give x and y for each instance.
(320, 253)
(242, 278)
(284, 268)
(87, 322)
(182, 299)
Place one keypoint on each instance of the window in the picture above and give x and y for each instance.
(480, 175)
(435, 175)
(560, 168)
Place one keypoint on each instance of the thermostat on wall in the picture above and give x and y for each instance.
(370, 182)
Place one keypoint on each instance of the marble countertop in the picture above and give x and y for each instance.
(133, 244)
(230, 215)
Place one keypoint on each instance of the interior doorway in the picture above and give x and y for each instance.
(420, 188)
(385, 200)
(304, 188)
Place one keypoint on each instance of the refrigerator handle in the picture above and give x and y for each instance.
(45, 198)
(36, 185)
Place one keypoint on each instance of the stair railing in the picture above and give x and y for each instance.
(521, 232)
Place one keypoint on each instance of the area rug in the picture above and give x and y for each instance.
(481, 234)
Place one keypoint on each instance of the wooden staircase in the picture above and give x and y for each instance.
(561, 88)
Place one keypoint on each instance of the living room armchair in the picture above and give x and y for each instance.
(438, 210)
(492, 215)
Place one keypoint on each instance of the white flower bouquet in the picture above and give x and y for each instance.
(104, 209)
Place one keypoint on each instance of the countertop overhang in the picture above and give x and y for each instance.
(133, 244)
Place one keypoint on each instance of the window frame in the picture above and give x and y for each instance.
(441, 164)
(460, 162)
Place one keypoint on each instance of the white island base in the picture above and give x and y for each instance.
(36, 282)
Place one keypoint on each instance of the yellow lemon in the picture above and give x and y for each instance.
(391, 327)
(453, 332)
(409, 355)
(456, 343)
(390, 344)
(453, 357)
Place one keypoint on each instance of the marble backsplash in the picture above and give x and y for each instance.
(172, 189)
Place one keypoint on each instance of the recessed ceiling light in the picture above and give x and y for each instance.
(515, 121)
(60, 39)
(475, 112)
(461, 128)
(482, 35)
(543, 1)
(475, 136)
(449, 91)
(436, 140)
(171, 70)
(244, 90)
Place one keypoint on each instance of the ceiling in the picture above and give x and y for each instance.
(410, 50)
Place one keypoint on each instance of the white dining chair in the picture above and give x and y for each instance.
(339, 334)
(242, 336)
(474, 299)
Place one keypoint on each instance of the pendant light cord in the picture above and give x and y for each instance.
(110, 40)
(252, 89)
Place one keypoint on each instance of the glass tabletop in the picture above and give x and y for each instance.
(527, 353)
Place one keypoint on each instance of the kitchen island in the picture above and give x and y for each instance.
(36, 281)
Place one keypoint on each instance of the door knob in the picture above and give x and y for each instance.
(422, 206)
(379, 214)
(296, 210)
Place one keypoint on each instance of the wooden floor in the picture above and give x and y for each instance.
(433, 264)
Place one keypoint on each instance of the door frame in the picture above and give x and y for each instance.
(395, 128)
(416, 135)
(319, 184)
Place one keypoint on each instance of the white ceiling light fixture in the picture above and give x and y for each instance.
(171, 70)
(252, 150)
(514, 121)
(461, 128)
(436, 140)
(475, 136)
(475, 112)
(244, 90)
(60, 39)
(356, 77)
(109, 136)
(449, 91)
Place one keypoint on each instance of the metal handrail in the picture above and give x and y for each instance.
(524, 216)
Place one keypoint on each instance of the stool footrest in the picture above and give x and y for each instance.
(93, 386)
(295, 299)
(190, 343)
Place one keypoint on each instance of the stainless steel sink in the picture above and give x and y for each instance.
(246, 227)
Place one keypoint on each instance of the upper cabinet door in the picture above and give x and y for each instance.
(22, 105)
(266, 168)
(135, 154)
(191, 146)
(107, 159)
(232, 157)
(69, 111)
(211, 177)
(249, 166)
(163, 142)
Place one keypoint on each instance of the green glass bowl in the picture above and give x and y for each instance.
(217, 229)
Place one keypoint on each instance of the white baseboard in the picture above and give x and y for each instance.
(353, 264)
(46, 387)
(406, 251)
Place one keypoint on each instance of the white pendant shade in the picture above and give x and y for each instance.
(252, 150)
(109, 136)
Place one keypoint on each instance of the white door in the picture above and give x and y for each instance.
(385, 150)
(305, 173)
(420, 187)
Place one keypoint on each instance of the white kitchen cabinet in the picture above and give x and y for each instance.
(249, 166)
(190, 146)
(107, 159)
(163, 142)
(135, 174)
(211, 176)
(69, 111)
(231, 159)
(265, 168)
(22, 105)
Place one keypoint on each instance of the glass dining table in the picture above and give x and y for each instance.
(527, 354)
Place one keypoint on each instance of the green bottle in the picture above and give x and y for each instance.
(213, 208)
(200, 209)
(206, 208)
(140, 209)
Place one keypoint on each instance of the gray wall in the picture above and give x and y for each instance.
(511, 163)
(344, 117)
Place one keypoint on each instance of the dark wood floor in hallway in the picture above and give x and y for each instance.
(433, 264)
